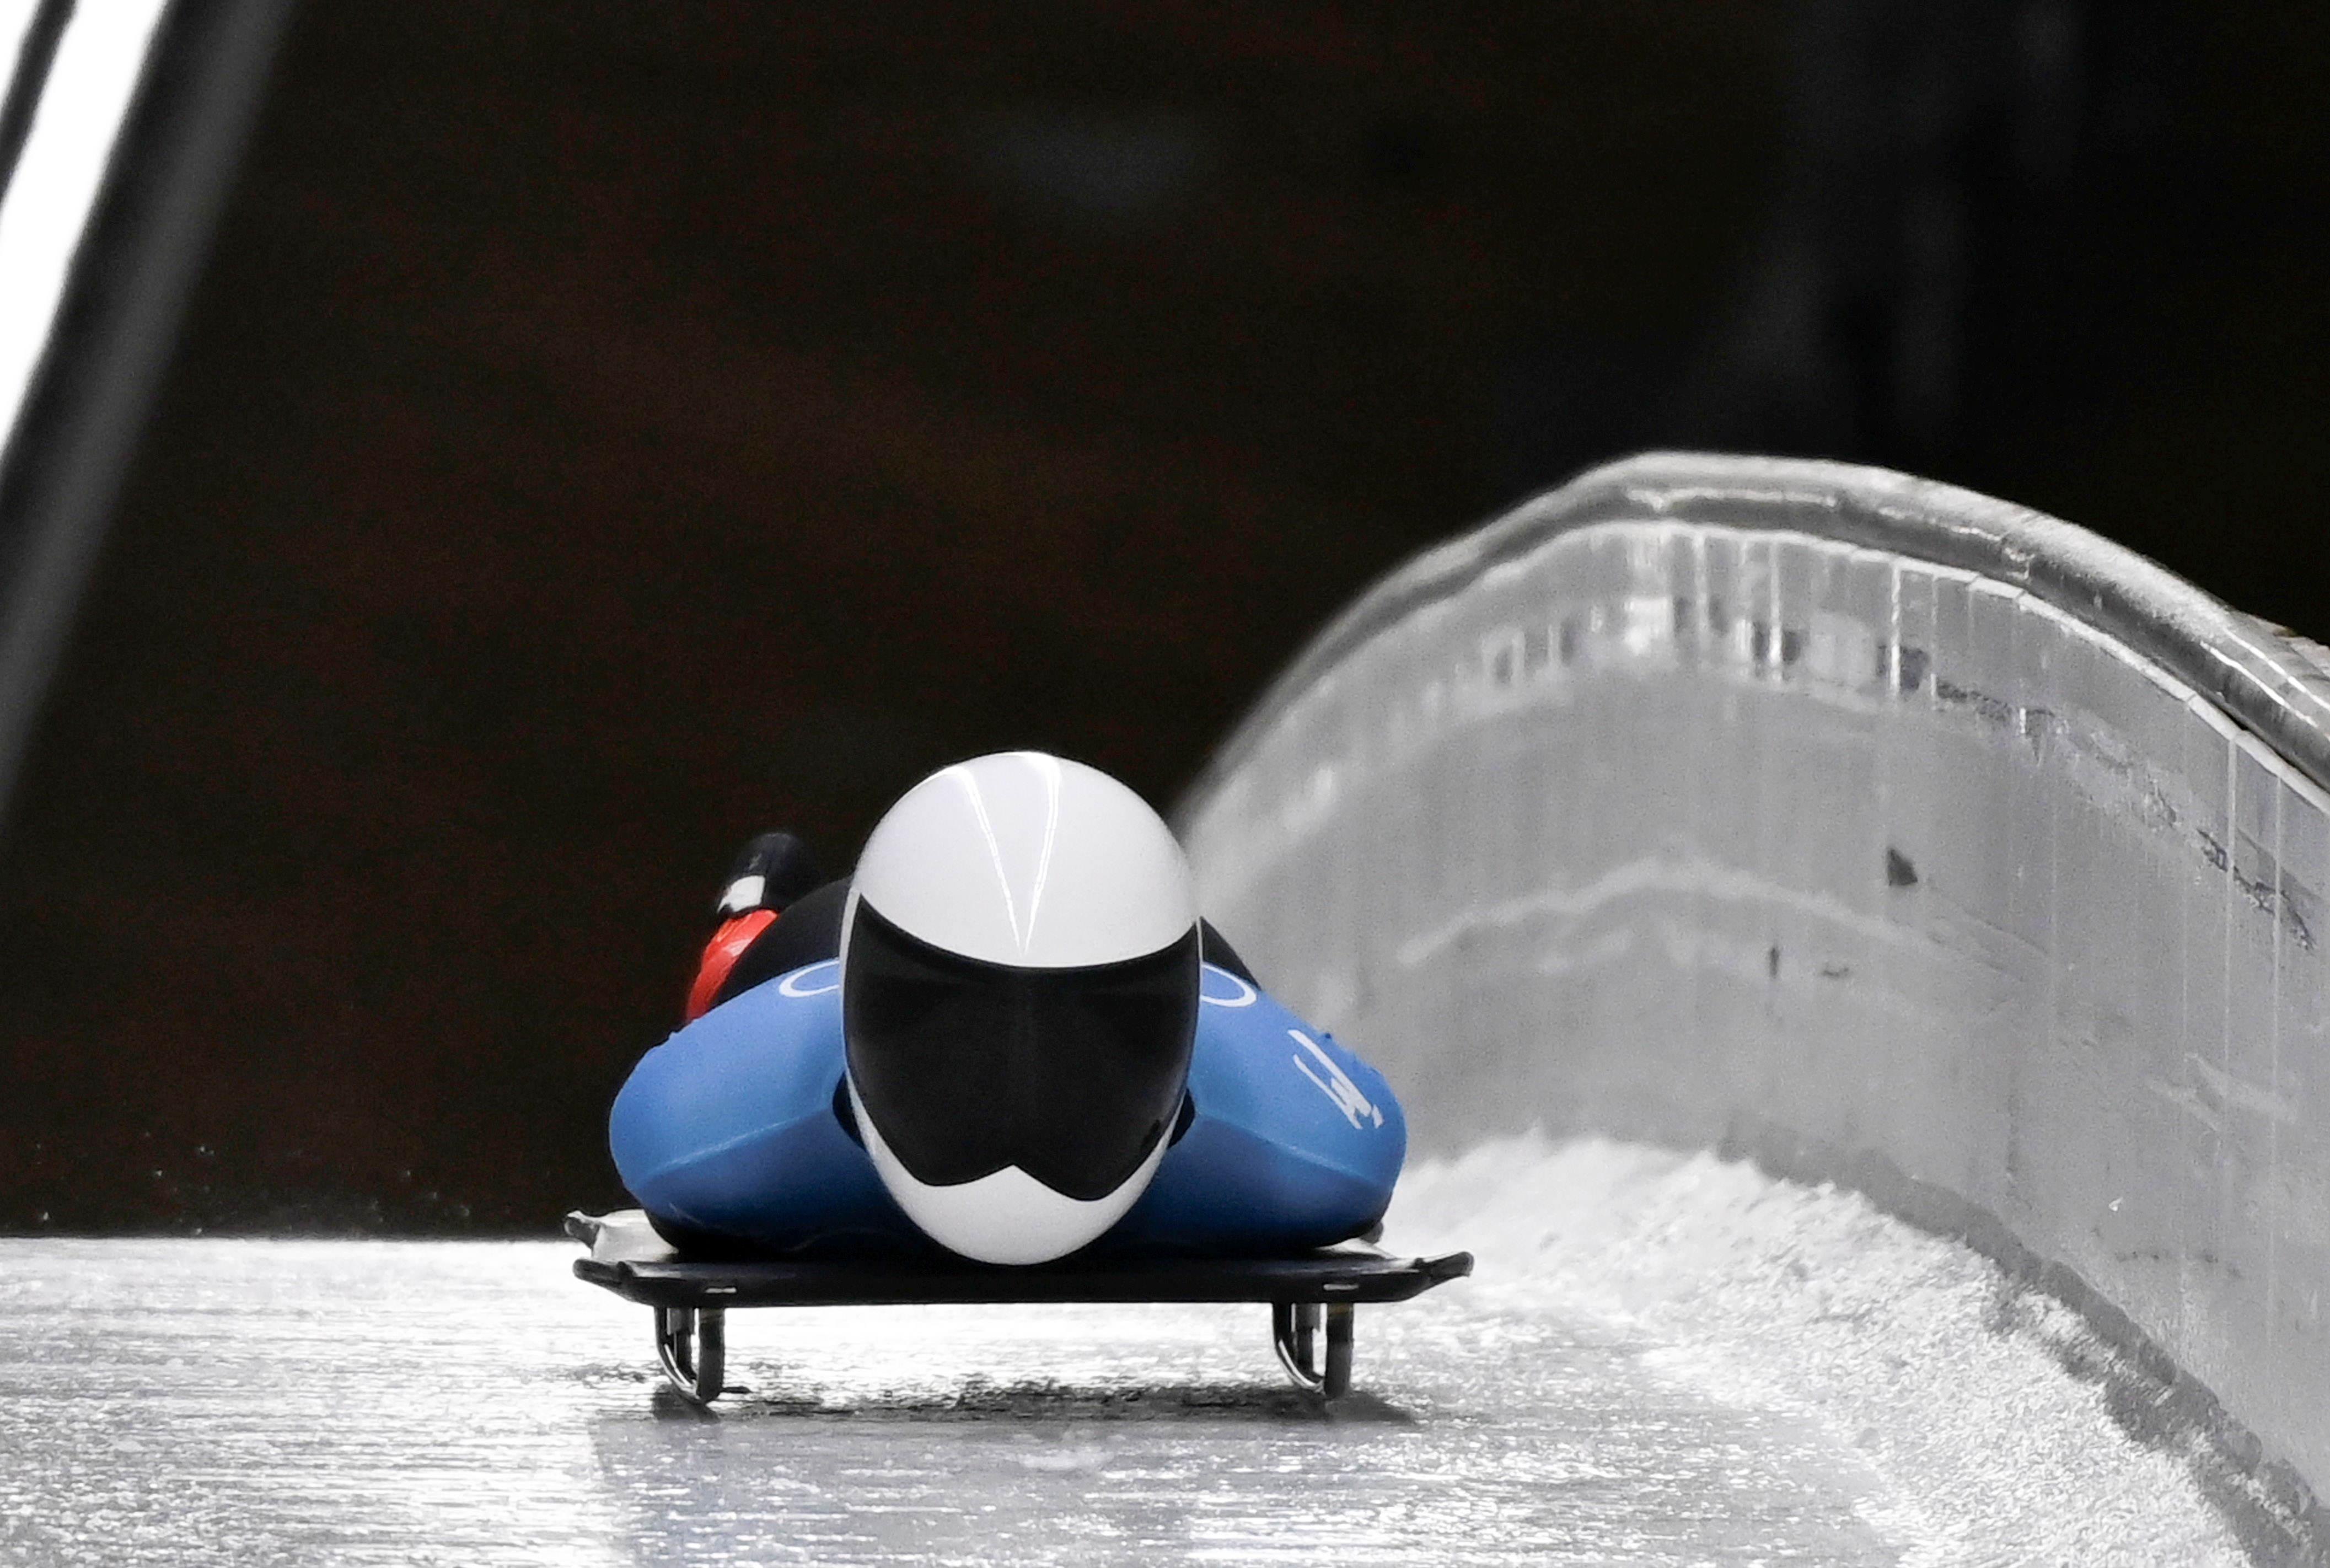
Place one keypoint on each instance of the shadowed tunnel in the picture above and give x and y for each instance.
(595, 437)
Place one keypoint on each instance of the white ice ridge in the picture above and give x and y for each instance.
(47, 202)
(1769, 1296)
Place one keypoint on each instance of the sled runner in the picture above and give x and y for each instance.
(1311, 1295)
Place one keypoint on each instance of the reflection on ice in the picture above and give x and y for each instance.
(1662, 1360)
(285, 1401)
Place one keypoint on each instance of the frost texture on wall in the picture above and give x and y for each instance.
(1720, 800)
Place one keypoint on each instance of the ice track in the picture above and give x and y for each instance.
(1663, 1359)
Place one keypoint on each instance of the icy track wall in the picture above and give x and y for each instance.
(1884, 832)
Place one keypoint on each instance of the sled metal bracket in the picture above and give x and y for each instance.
(1294, 1334)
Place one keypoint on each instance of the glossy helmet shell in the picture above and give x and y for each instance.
(1018, 994)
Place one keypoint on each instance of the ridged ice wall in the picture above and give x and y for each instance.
(1884, 831)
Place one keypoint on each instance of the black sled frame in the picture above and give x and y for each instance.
(1311, 1296)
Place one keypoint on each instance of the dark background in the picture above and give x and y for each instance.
(603, 430)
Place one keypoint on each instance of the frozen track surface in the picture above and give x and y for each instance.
(1662, 1360)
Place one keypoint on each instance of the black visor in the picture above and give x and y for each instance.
(966, 1067)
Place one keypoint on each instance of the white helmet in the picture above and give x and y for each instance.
(1018, 996)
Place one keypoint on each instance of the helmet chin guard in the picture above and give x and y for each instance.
(1019, 994)
(1006, 1217)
